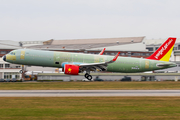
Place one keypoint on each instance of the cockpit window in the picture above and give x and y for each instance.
(12, 53)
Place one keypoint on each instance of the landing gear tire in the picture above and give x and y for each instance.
(86, 75)
(89, 77)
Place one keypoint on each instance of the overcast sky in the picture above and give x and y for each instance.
(26, 20)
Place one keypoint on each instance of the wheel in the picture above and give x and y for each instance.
(86, 75)
(89, 77)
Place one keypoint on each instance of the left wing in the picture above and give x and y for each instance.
(101, 66)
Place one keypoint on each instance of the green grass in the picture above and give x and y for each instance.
(98, 108)
(88, 85)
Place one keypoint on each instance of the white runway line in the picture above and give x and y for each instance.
(86, 93)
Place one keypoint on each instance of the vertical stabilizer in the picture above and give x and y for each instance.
(163, 53)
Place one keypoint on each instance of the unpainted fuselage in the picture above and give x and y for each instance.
(59, 59)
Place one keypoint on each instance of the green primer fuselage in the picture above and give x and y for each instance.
(58, 59)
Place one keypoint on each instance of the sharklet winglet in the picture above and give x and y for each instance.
(102, 51)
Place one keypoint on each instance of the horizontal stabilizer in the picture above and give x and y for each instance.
(166, 64)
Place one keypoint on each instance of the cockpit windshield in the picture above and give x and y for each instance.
(12, 53)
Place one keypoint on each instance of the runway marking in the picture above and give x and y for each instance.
(84, 93)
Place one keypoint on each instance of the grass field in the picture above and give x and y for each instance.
(80, 108)
(88, 85)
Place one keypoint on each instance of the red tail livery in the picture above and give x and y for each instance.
(163, 53)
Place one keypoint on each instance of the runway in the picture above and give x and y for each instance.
(86, 93)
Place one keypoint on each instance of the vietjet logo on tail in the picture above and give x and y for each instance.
(163, 53)
(160, 52)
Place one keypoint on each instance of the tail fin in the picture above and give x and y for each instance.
(163, 53)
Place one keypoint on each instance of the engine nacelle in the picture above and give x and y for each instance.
(71, 69)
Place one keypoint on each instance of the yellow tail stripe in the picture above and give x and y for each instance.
(167, 56)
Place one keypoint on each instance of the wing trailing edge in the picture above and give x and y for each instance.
(102, 63)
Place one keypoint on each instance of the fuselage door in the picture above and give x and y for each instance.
(146, 64)
(149, 65)
(22, 55)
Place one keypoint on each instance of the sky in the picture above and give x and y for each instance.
(31, 20)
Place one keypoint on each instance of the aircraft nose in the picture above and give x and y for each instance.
(4, 58)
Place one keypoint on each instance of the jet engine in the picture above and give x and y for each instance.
(71, 69)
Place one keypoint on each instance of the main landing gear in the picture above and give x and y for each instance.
(89, 77)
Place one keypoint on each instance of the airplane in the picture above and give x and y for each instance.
(75, 63)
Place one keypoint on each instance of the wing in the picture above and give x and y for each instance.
(101, 66)
(102, 51)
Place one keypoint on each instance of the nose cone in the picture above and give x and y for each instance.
(4, 58)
